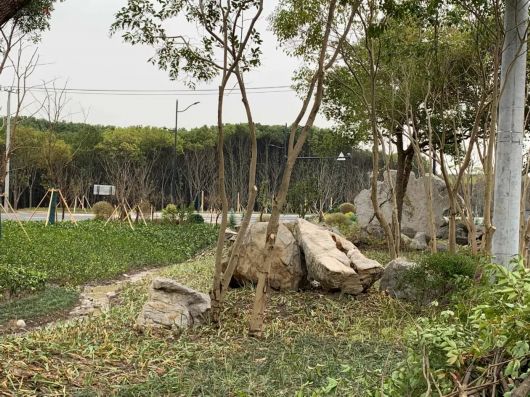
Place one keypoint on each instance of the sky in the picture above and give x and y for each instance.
(78, 51)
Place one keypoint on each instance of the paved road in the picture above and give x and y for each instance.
(80, 216)
(41, 216)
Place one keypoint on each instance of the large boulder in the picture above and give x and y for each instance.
(415, 217)
(286, 270)
(173, 306)
(334, 262)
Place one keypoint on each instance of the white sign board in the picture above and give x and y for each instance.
(104, 190)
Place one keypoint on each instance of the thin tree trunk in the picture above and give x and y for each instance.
(258, 311)
(252, 193)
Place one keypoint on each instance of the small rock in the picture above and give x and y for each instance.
(111, 295)
(21, 324)
(173, 306)
(315, 284)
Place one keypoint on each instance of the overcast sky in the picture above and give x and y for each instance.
(78, 49)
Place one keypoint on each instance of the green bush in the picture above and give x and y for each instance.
(15, 280)
(337, 218)
(352, 216)
(102, 210)
(488, 328)
(437, 276)
(196, 218)
(346, 207)
(170, 214)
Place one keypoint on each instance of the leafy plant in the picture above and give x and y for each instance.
(437, 276)
(337, 218)
(16, 279)
(346, 208)
(102, 210)
(482, 343)
(170, 213)
(196, 218)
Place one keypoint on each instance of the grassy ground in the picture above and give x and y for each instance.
(39, 308)
(315, 344)
(91, 251)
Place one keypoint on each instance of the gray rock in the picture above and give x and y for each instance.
(21, 324)
(173, 306)
(286, 270)
(392, 281)
(412, 289)
(415, 217)
(461, 233)
(334, 262)
(419, 242)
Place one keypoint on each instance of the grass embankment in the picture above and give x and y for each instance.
(73, 255)
(70, 255)
(311, 340)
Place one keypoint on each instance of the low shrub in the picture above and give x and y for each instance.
(437, 276)
(15, 280)
(102, 210)
(196, 218)
(481, 345)
(352, 216)
(346, 207)
(170, 214)
(337, 218)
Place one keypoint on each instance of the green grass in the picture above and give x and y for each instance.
(313, 342)
(73, 255)
(39, 307)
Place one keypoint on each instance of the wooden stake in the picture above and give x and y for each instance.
(38, 205)
(111, 215)
(16, 217)
(67, 208)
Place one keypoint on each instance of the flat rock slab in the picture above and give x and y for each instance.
(173, 306)
(334, 262)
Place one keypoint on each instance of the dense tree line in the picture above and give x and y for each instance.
(138, 161)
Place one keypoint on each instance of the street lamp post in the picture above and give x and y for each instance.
(174, 168)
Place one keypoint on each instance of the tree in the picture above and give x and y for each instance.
(229, 47)
(508, 159)
(317, 31)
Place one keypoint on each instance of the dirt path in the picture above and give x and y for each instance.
(97, 299)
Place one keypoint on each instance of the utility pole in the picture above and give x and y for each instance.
(508, 159)
(173, 180)
(174, 170)
(8, 148)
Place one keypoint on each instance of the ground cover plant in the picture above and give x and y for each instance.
(314, 344)
(479, 346)
(71, 255)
